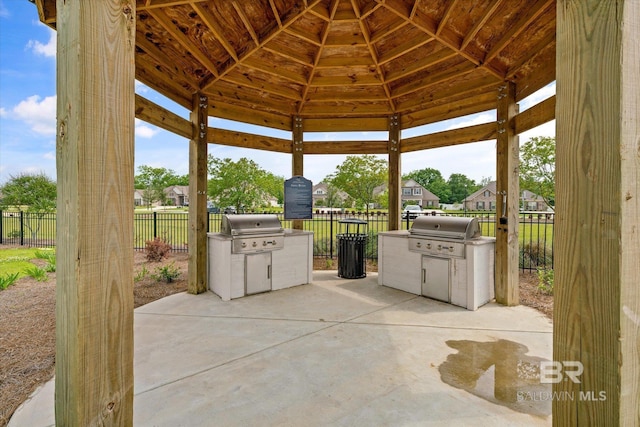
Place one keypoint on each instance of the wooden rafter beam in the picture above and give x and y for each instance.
(275, 89)
(156, 4)
(447, 14)
(215, 28)
(373, 53)
(399, 8)
(480, 23)
(246, 22)
(420, 64)
(405, 47)
(162, 82)
(183, 40)
(160, 57)
(535, 116)
(261, 42)
(531, 54)
(345, 147)
(433, 79)
(248, 140)
(316, 59)
(276, 13)
(483, 132)
(163, 118)
(514, 30)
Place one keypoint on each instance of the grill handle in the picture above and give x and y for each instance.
(268, 271)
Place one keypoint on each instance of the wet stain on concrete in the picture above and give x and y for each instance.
(500, 372)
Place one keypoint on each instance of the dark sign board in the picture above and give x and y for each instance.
(298, 199)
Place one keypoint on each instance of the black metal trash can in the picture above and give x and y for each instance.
(351, 250)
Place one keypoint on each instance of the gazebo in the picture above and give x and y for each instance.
(350, 65)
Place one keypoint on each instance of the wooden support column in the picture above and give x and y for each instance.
(298, 158)
(507, 198)
(395, 173)
(198, 196)
(94, 283)
(597, 231)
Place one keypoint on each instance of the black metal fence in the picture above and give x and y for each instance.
(39, 229)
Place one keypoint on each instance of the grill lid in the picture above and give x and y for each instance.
(460, 228)
(245, 225)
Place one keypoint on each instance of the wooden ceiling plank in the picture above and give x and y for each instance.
(514, 30)
(279, 72)
(350, 124)
(261, 43)
(482, 132)
(215, 28)
(478, 104)
(292, 55)
(373, 53)
(246, 22)
(335, 62)
(354, 80)
(347, 109)
(241, 79)
(425, 62)
(163, 118)
(248, 140)
(183, 40)
(388, 30)
(405, 48)
(449, 94)
(535, 116)
(160, 57)
(311, 38)
(162, 81)
(451, 4)
(534, 51)
(435, 78)
(249, 115)
(156, 4)
(480, 23)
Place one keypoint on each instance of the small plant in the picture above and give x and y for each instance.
(50, 257)
(8, 280)
(329, 264)
(545, 281)
(37, 273)
(157, 249)
(168, 273)
(141, 274)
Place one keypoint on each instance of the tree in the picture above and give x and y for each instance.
(153, 181)
(33, 193)
(358, 176)
(461, 187)
(538, 167)
(432, 180)
(243, 184)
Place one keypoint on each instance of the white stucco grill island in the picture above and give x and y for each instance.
(254, 254)
(443, 258)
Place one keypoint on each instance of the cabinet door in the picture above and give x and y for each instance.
(258, 273)
(435, 278)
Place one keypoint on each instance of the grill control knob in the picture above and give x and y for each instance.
(439, 247)
(450, 248)
(418, 245)
(428, 245)
(264, 243)
(244, 245)
(255, 244)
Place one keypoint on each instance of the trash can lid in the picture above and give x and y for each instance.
(352, 221)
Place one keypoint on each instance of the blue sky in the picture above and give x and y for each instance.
(28, 104)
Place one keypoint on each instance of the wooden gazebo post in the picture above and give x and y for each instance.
(297, 155)
(507, 197)
(395, 172)
(94, 283)
(197, 237)
(597, 235)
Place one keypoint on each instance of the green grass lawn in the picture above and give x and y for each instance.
(17, 260)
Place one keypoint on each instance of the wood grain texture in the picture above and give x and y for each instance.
(94, 284)
(297, 157)
(161, 117)
(197, 235)
(248, 140)
(507, 161)
(483, 132)
(535, 116)
(597, 297)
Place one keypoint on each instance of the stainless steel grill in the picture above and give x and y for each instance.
(253, 233)
(442, 236)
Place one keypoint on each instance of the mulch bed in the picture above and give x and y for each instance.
(27, 322)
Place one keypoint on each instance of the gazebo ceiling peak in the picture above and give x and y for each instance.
(341, 64)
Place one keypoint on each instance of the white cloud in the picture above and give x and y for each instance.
(39, 114)
(3, 112)
(48, 49)
(538, 96)
(144, 131)
(51, 155)
(4, 12)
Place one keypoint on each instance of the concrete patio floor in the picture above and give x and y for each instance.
(334, 353)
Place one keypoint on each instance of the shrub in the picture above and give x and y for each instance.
(141, 274)
(535, 254)
(8, 280)
(157, 249)
(50, 257)
(37, 273)
(545, 281)
(167, 273)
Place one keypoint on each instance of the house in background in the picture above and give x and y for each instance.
(138, 197)
(319, 194)
(413, 193)
(485, 200)
(177, 195)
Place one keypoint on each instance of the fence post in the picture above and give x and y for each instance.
(208, 220)
(1, 222)
(331, 232)
(21, 228)
(155, 224)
